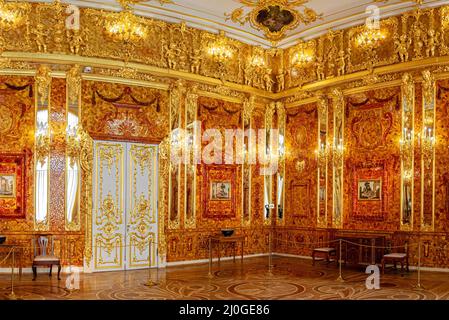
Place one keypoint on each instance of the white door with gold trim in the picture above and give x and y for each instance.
(124, 220)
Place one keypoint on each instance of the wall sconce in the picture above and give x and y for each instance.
(43, 141)
(300, 165)
(406, 145)
(338, 152)
(322, 153)
(427, 146)
(73, 144)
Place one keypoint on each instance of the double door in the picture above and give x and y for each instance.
(124, 217)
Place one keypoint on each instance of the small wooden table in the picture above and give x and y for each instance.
(219, 240)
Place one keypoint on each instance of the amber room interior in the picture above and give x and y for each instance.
(174, 149)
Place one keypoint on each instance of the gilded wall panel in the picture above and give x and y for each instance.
(372, 171)
(301, 165)
(57, 126)
(116, 111)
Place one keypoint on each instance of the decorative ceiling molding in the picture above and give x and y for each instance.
(274, 17)
(210, 15)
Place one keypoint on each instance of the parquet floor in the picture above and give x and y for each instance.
(291, 278)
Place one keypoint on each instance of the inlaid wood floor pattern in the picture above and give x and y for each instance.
(291, 278)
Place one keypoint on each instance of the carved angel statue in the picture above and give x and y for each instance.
(419, 37)
(40, 37)
(341, 59)
(195, 61)
(170, 53)
(431, 42)
(75, 40)
(402, 46)
(280, 80)
(247, 71)
(319, 68)
(268, 80)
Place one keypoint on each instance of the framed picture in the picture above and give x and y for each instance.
(7, 185)
(370, 189)
(220, 190)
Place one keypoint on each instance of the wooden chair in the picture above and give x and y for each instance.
(43, 246)
(395, 257)
(327, 252)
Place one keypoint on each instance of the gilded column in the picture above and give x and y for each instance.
(248, 154)
(407, 151)
(280, 186)
(176, 148)
(338, 157)
(190, 163)
(427, 142)
(322, 158)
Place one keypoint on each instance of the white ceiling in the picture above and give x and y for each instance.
(210, 15)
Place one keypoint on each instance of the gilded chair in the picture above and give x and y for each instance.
(395, 257)
(43, 246)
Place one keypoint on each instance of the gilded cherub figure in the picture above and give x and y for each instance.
(40, 37)
(170, 53)
(319, 68)
(402, 46)
(75, 40)
(268, 80)
(419, 37)
(280, 80)
(195, 61)
(247, 71)
(341, 59)
(431, 42)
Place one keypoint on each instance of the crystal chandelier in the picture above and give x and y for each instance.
(13, 14)
(125, 27)
(220, 49)
(370, 37)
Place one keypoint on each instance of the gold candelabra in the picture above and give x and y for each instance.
(73, 144)
(125, 26)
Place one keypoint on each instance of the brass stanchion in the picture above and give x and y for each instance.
(340, 277)
(270, 262)
(150, 282)
(210, 275)
(12, 295)
(418, 285)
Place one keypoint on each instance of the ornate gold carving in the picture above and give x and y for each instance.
(43, 81)
(274, 17)
(338, 157)
(74, 84)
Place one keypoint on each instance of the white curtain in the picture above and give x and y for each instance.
(41, 190)
(72, 189)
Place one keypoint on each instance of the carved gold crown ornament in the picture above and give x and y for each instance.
(13, 14)
(274, 17)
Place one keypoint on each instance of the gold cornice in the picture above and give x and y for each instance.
(117, 64)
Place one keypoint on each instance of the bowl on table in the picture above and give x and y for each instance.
(2, 239)
(227, 232)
